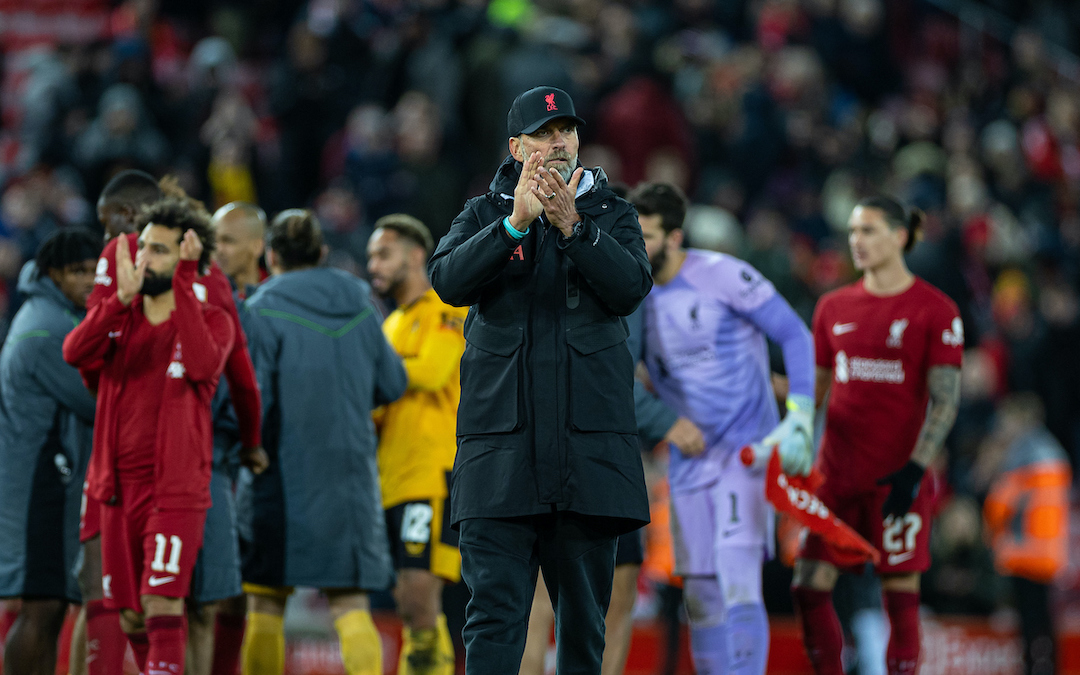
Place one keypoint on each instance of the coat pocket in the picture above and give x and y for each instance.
(601, 378)
(490, 378)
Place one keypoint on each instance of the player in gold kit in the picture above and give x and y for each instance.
(417, 440)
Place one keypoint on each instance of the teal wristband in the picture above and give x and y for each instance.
(513, 231)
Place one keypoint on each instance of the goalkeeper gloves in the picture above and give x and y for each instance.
(794, 436)
(905, 487)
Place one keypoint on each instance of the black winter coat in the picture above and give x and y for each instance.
(546, 419)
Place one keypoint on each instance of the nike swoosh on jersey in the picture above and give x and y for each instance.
(897, 558)
(841, 328)
(154, 582)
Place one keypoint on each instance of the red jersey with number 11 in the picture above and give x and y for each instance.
(879, 350)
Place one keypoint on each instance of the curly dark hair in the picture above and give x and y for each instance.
(67, 246)
(178, 213)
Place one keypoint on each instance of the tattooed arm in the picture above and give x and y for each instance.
(944, 385)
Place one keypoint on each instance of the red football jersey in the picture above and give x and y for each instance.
(879, 350)
(215, 289)
(180, 369)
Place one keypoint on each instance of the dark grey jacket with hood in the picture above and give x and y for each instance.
(315, 517)
(46, 431)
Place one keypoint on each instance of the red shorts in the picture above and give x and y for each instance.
(146, 550)
(89, 517)
(904, 543)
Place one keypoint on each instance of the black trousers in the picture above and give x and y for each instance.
(1036, 626)
(499, 562)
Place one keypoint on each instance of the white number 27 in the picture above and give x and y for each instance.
(900, 533)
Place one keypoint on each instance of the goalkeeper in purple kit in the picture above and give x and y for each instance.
(706, 323)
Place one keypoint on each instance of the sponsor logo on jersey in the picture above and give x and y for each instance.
(954, 336)
(101, 274)
(106, 586)
(447, 320)
(155, 581)
(889, 371)
(896, 333)
(753, 283)
(841, 328)
(691, 358)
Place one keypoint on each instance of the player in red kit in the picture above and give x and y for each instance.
(240, 374)
(888, 354)
(161, 348)
(118, 211)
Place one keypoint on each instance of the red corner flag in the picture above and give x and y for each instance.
(794, 495)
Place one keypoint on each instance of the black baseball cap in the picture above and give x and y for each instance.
(538, 106)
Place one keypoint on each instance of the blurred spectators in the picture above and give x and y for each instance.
(121, 136)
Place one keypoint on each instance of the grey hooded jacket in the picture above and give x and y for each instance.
(315, 517)
(46, 429)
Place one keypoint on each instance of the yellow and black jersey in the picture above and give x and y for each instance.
(417, 439)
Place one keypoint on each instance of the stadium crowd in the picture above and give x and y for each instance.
(776, 117)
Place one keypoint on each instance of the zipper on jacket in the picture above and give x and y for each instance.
(562, 391)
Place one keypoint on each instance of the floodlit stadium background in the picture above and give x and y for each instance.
(775, 116)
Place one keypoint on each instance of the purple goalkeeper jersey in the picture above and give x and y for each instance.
(708, 361)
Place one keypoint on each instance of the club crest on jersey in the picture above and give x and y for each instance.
(896, 333)
(954, 336)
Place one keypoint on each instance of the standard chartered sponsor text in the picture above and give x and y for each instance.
(876, 370)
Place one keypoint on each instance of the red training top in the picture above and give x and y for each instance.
(243, 387)
(879, 350)
(155, 387)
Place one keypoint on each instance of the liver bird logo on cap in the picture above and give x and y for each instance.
(550, 100)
